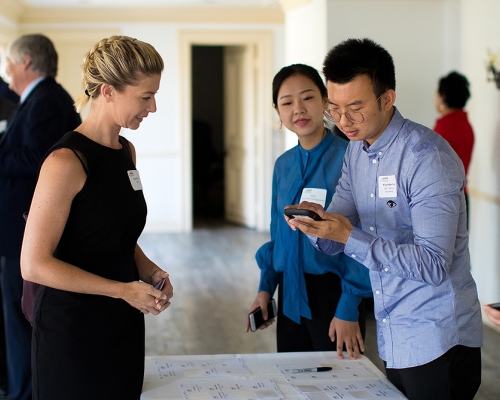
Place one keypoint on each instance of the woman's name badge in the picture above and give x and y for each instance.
(314, 196)
(135, 179)
(387, 186)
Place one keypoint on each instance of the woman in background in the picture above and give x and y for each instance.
(81, 237)
(318, 295)
(453, 125)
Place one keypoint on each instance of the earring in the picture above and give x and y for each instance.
(281, 124)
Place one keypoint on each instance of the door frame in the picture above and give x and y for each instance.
(261, 131)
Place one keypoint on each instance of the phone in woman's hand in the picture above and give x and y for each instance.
(257, 319)
(161, 284)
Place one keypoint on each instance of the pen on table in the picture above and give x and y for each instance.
(318, 369)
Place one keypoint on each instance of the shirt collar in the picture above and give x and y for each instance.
(326, 141)
(29, 88)
(390, 133)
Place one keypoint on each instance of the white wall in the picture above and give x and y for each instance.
(412, 31)
(429, 38)
(305, 42)
(480, 31)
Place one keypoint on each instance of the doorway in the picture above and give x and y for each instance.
(207, 136)
(247, 124)
(223, 172)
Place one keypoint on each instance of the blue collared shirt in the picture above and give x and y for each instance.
(414, 242)
(29, 88)
(289, 252)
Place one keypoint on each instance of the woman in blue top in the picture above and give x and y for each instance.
(318, 295)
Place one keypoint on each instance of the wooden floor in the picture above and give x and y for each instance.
(215, 279)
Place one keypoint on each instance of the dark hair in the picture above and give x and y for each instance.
(354, 57)
(297, 69)
(454, 89)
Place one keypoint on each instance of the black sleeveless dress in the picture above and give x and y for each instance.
(88, 346)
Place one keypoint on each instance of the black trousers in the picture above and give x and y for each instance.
(323, 292)
(456, 375)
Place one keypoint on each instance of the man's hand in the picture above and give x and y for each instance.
(333, 227)
(349, 333)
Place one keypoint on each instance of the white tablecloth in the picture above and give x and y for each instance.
(260, 366)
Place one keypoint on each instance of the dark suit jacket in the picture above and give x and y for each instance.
(6, 93)
(7, 109)
(40, 121)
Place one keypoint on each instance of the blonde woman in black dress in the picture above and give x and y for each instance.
(81, 237)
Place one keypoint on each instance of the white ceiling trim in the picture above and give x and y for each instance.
(290, 4)
(148, 3)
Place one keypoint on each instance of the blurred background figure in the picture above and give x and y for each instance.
(6, 93)
(8, 104)
(45, 113)
(7, 109)
(453, 124)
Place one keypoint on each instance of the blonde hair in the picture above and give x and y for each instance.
(117, 61)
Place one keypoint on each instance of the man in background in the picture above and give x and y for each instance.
(7, 109)
(8, 104)
(45, 113)
(6, 93)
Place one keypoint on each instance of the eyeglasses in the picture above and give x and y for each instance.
(355, 117)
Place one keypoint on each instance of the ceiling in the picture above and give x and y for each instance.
(152, 3)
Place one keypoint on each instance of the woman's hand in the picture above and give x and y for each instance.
(261, 301)
(144, 297)
(167, 289)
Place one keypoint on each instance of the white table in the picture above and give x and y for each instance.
(260, 366)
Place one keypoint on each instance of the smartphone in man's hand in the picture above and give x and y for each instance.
(302, 213)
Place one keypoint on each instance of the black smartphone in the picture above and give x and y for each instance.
(256, 318)
(160, 284)
(496, 306)
(300, 212)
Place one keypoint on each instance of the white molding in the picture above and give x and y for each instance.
(57, 15)
(287, 5)
(162, 227)
(488, 197)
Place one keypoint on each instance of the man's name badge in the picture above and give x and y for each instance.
(387, 186)
(135, 179)
(312, 195)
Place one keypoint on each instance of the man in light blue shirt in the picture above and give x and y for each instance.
(403, 184)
